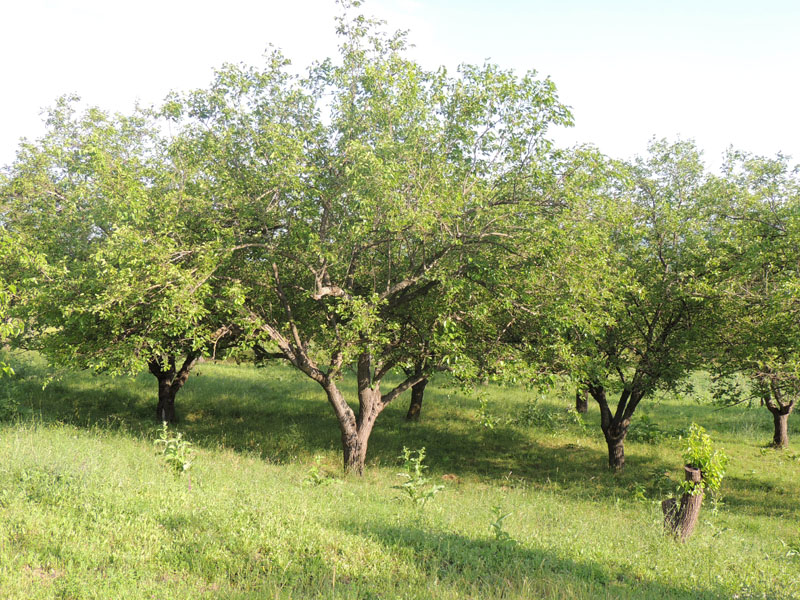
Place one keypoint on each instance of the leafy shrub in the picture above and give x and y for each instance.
(316, 475)
(486, 419)
(646, 431)
(416, 487)
(176, 452)
(9, 405)
(535, 415)
(699, 453)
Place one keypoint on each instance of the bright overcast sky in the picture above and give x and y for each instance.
(720, 72)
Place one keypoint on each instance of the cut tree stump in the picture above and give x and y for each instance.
(681, 520)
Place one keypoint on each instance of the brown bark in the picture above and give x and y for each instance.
(681, 520)
(616, 450)
(170, 382)
(415, 407)
(581, 400)
(356, 429)
(355, 453)
(165, 409)
(780, 407)
(615, 426)
(780, 438)
(356, 432)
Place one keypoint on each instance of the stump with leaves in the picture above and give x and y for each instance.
(704, 469)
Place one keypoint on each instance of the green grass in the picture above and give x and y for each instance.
(89, 510)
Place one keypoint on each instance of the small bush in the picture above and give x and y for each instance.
(176, 452)
(316, 475)
(9, 405)
(535, 415)
(416, 487)
(699, 453)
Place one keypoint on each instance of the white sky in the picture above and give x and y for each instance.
(720, 72)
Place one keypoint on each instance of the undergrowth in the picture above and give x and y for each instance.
(527, 509)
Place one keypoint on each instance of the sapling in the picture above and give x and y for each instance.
(316, 475)
(500, 534)
(416, 486)
(176, 452)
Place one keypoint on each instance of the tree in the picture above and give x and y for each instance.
(760, 339)
(8, 325)
(659, 301)
(380, 182)
(126, 255)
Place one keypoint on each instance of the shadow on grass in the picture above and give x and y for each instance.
(503, 567)
(281, 416)
(755, 495)
(277, 414)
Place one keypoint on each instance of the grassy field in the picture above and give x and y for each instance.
(89, 509)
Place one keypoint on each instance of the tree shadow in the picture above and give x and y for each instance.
(496, 568)
(755, 495)
(278, 415)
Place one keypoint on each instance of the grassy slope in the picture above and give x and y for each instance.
(87, 509)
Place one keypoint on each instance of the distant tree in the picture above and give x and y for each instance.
(760, 338)
(659, 298)
(8, 325)
(125, 254)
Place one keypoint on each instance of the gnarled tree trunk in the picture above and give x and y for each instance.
(615, 440)
(170, 382)
(615, 426)
(356, 429)
(780, 407)
(681, 520)
(165, 409)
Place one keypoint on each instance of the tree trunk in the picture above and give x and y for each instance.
(354, 443)
(355, 452)
(170, 383)
(616, 449)
(165, 410)
(355, 430)
(615, 426)
(581, 400)
(780, 407)
(417, 393)
(780, 439)
(681, 521)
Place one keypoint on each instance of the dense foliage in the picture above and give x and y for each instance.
(377, 217)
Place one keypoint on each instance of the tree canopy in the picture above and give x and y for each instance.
(116, 273)
(760, 213)
(375, 216)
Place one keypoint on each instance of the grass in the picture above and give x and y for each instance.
(88, 508)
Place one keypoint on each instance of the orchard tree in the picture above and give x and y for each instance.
(760, 339)
(660, 298)
(547, 276)
(380, 182)
(125, 255)
(8, 325)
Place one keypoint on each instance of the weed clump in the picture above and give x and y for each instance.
(416, 486)
(176, 452)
